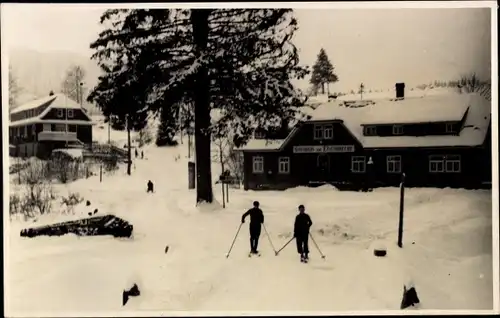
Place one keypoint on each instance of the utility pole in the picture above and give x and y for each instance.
(66, 120)
(109, 129)
(81, 94)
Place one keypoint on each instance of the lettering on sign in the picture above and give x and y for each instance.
(321, 149)
(343, 148)
(308, 149)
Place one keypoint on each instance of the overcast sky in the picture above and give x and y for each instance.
(375, 46)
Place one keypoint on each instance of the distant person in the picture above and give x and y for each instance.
(256, 219)
(150, 187)
(142, 154)
(136, 153)
(301, 233)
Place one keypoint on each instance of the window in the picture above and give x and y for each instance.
(436, 164)
(397, 130)
(450, 128)
(453, 163)
(442, 163)
(284, 165)
(358, 164)
(70, 113)
(318, 132)
(72, 128)
(323, 132)
(33, 129)
(59, 113)
(47, 127)
(393, 164)
(328, 132)
(370, 131)
(258, 164)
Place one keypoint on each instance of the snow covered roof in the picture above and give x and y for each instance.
(262, 144)
(437, 108)
(53, 101)
(431, 108)
(56, 100)
(472, 134)
(74, 153)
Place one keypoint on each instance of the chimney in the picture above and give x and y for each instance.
(400, 90)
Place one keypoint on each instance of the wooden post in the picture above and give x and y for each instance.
(223, 195)
(227, 192)
(100, 173)
(401, 211)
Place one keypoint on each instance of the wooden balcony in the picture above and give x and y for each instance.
(57, 136)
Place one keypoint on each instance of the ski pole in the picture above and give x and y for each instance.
(322, 256)
(269, 238)
(234, 240)
(285, 245)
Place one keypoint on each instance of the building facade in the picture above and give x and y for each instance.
(436, 141)
(55, 121)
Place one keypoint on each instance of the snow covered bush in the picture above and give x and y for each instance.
(37, 192)
(110, 163)
(71, 201)
(145, 137)
(14, 204)
(66, 170)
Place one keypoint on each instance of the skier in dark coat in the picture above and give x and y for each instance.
(256, 219)
(301, 232)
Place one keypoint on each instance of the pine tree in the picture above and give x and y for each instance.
(238, 61)
(323, 73)
(166, 129)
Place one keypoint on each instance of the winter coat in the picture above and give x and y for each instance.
(256, 216)
(302, 224)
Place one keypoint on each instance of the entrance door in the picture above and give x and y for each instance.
(323, 167)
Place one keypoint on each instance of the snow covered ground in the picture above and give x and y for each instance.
(447, 250)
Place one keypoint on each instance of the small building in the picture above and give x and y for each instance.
(436, 141)
(51, 122)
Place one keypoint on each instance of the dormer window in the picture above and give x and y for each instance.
(323, 131)
(328, 131)
(59, 113)
(450, 128)
(370, 131)
(318, 132)
(397, 130)
(70, 113)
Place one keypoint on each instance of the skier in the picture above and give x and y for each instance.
(256, 219)
(150, 187)
(301, 233)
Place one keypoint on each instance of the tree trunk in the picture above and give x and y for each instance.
(328, 88)
(221, 161)
(199, 20)
(323, 88)
(129, 152)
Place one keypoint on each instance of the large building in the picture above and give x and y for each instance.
(51, 122)
(437, 141)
